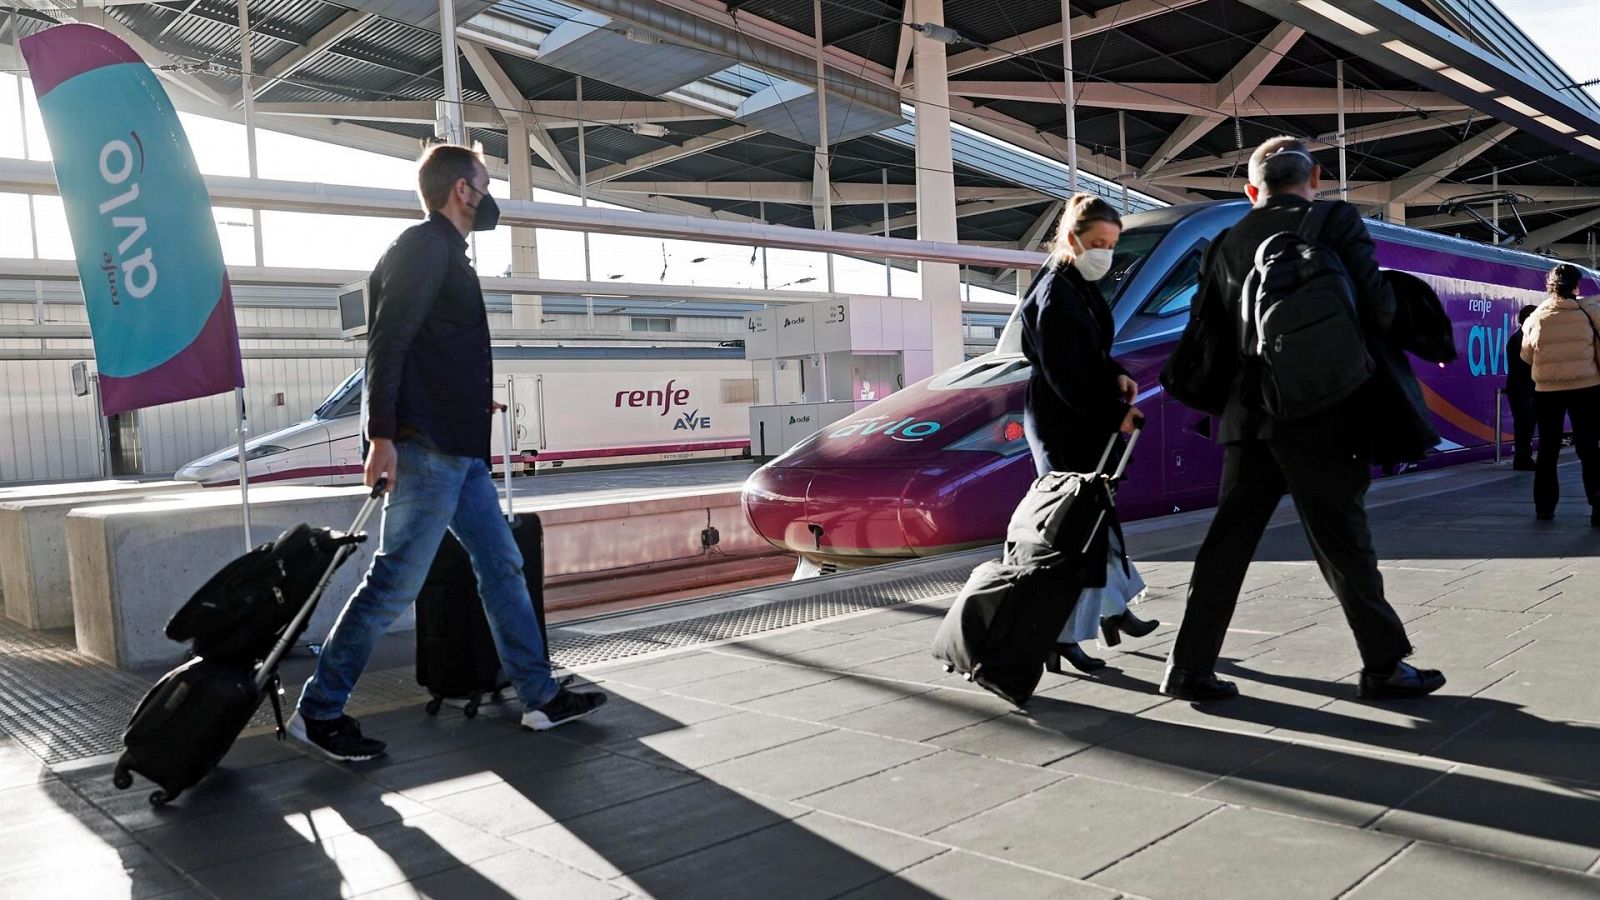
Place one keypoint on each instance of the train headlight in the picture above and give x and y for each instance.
(1004, 436)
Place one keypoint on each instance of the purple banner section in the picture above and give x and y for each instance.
(192, 373)
(143, 234)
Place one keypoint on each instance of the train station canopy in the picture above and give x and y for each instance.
(711, 107)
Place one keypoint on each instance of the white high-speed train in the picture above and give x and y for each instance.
(574, 406)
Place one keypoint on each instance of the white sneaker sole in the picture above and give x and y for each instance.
(538, 721)
(296, 728)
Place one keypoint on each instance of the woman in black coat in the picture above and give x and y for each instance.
(1078, 397)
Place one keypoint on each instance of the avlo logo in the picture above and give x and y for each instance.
(908, 430)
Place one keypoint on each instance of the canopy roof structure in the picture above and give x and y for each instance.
(710, 107)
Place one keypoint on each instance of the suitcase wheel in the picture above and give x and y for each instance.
(948, 668)
(121, 779)
(433, 706)
(162, 798)
(471, 709)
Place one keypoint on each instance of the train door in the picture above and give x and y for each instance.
(527, 413)
(1191, 461)
(123, 439)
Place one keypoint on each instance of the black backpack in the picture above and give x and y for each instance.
(238, 615)
(1299, 320)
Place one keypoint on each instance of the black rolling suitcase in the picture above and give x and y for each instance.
(1005, 621)
(186, 723)
(456, 655)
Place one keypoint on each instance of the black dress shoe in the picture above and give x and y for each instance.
(1112, 628)
(1074, 654)
(1404, 682)
(1196, 687)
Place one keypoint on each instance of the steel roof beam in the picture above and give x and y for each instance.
(513, 107)
(156, 58)
(566, 113)
(413, 112)
(1430, 173)
(963, 210)
(1446, 220)
(902, 53)
(1232, 91)
(801, 193)
(715, 139)
(1365, 134)
(1126, 13)
(295, 59)
(1541, 238)
(1186, 99)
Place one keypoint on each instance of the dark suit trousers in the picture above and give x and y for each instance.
(1582, 405)
(1523, 419)
(1329, 487)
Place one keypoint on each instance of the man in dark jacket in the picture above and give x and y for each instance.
(1519, 393)
(429, 400)
(1322, 459)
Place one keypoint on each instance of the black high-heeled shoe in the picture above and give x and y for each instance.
(1112, 628)
(1073, 654)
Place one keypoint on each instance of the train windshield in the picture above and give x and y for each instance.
(1133, 249)
(344, 401)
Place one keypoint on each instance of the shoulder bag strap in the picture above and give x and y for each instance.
(1311, 226)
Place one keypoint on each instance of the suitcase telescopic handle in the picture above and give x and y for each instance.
(346, 547)
(1127, 451)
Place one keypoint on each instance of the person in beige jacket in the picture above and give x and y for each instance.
(1561, 340)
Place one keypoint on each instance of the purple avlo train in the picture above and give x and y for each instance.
(939, 465)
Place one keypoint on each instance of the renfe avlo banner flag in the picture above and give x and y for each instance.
(160, 306)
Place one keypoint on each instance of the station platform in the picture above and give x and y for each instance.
(798, 741)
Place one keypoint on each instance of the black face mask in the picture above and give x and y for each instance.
(486, 215)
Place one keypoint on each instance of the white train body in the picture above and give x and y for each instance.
(570, 407)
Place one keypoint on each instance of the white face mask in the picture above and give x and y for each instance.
(1093, 264)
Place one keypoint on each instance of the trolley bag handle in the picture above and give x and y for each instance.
(347, 542)
(1127, 451)
(1114, 477)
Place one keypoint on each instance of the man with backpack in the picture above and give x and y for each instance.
(428, 403)
(1277, 347)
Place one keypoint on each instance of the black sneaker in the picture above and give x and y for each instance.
(338, 739)
(566, 706)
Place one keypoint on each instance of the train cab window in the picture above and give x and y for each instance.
(985, 371)
(345, 399)
(1177, 292)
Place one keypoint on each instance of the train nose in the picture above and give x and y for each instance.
(840, 515)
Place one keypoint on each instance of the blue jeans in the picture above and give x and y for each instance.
(434, 491)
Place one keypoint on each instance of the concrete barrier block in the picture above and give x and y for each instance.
(33, 550)
(133, 565)
(110, 488)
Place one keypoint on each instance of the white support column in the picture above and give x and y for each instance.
(1122, 156)
(245, 61)
(936, 192)
(1344, 171)
(888, 265)
(455, 130)
(1068, 95)
(22, 129)
(583, 195)
(527, 310)
(820, 179)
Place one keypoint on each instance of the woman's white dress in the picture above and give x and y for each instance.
(1122, 588)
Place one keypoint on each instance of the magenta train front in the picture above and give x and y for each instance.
(939, 465)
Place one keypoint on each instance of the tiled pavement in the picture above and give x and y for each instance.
(837, 760)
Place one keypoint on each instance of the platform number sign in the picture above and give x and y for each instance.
(836, 313)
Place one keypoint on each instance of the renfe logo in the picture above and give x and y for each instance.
(666, 398)
(139, 269)
(908, 429)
